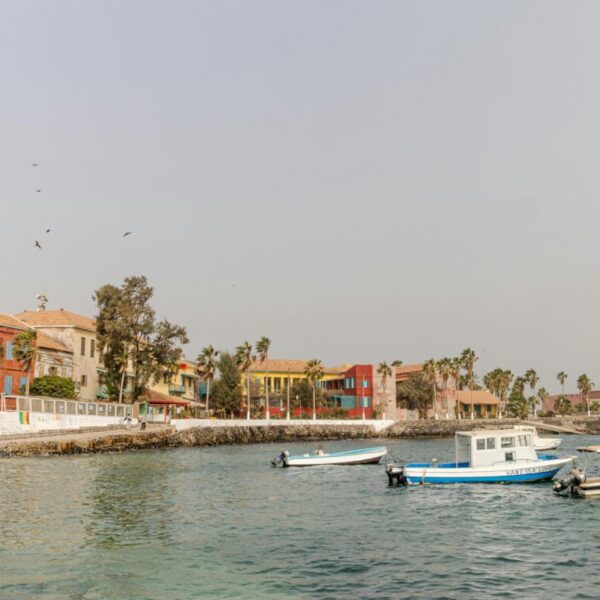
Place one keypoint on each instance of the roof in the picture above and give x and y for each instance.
(57, 318)
(284, 365)
(488, 432)
(12, 322)
(46, 342)
(156, 398)
(403, 372)
(479, 397)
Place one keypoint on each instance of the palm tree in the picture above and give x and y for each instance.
(314, 373)
(585, 386)
(430, 376)
(445, 370)
(207, 367)
(531, 378)
(468, 358)
(504, 380)
(25, 351)
(455, 369)
(262, 350)
(244, 359)
(385, 371)
(562, 376)
(397, 363)
(542, 395)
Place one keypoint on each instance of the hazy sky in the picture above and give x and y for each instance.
(359, 181)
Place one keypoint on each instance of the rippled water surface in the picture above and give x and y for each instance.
(220, 523)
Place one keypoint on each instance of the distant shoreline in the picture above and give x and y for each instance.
(122, 440)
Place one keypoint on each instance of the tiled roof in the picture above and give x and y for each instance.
(403, 372)
(47, 343)
(10, 321)
(277, 365)
(154, 397)
(56, 318)
(479, 397)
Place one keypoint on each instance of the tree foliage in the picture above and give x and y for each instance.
(25, 352)
(227, 391)
(416, 393)
(127, 331)
(53, 386)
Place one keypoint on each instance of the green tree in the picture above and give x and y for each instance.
(207, 367)
(415, 394)
(455, 370)
(227, 394)
(505, 378)
(127, 332)
(385, 371)
(430, 376)
(314, 374)
(562, 405)
(562, 377)
(53, 386)
(262, 350)
(517, 403)
(397, 363)
(468, 358)
(585, 386)
(532, 379)
(25, 352)
(244, 359)
(542, 396)
(445, 371)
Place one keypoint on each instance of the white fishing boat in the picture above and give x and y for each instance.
(484, 456)
(361, 456)
(577, 483)
(539, 443)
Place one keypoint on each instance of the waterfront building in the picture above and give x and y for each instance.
(13, 377)
(76, 333)
(184, 383)
(578, 402)
(485, 404)
(53, 357)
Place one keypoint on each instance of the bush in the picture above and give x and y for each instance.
(53, 386)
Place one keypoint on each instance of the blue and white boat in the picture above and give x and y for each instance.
(362, 456)
(484, 456)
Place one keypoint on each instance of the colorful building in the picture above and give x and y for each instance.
(485, 404)
(13, 377)
(182, 384)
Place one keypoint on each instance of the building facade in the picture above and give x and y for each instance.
(13, 377)
(182, 384)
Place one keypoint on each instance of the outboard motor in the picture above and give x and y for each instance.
(576, 477)
(282, 458)
(395, 473)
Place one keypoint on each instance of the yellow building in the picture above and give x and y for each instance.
(182, 384)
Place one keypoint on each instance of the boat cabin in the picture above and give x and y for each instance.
(485, 447)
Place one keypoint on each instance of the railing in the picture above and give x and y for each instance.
(63, 407)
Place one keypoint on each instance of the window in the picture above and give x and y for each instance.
(83, 380)
(166, 378)
(365, 383)
(92, 348)
(507, 442)
(491, 443)
(509, 456)
(365, 401)
(52, 371)
(82, 346)
(480, 444)
(9, 350)
(523, 440)
(22, 385)
(100, 355)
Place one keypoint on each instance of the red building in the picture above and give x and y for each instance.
(12, 375)
(354, 390)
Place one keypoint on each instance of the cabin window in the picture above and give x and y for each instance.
(507, 442)
(509, 456)
(523, 440)
(491, 443)
(480, 444)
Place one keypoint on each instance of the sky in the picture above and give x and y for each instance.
(358, 181)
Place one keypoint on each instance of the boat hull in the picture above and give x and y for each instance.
(506, 473)
(351, 457)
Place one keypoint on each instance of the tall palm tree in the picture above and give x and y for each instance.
(532, 379)
(244, 358)
(445, 371)
(207, 367)
(430, 376)
(542, 395)
(585, 386)
(385, 371)
(262, 350)
(468, 358)
(562, 377)
(504, 381)
(25, 351)
(455, 369)
(397, 363)
(314, 373)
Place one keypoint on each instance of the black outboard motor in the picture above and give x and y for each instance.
(282, 458)
(576, 477)
(395, 473)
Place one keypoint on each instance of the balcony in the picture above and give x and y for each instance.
(176, 390)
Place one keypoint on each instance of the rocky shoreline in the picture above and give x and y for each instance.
(125, 440)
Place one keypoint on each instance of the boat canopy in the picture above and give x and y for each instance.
(484, 447)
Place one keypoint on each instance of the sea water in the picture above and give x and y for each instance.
(221, 523)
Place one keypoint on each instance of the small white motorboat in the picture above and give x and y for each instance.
(484, 456)
(577, 483)
(539, 443)
(362, 456)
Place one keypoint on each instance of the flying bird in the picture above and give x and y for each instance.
(47, 231)
(37, 245)
(34, 164)
(127, 233)
(38, 190)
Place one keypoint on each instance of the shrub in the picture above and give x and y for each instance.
(53, 386)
